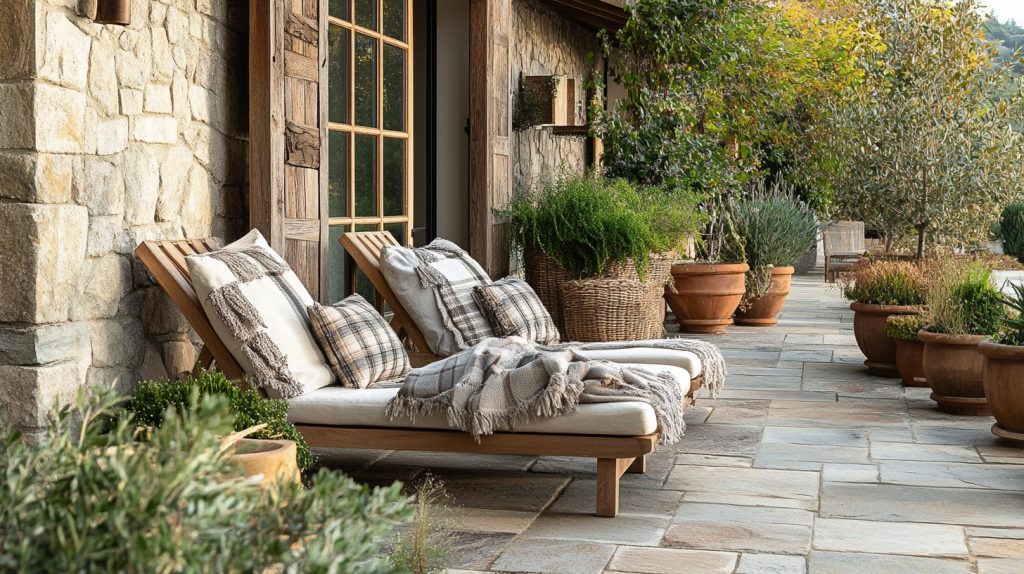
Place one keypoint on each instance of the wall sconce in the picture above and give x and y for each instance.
(113, 12)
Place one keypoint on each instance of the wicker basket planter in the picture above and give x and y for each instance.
(593, 302)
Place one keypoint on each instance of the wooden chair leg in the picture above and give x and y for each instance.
(609, 471)
(639, 465)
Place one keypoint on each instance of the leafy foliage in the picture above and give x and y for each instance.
(902, 327)
(777, 229)
(962, 301)
(926, 146)
(423, 548)
(93, 499)
(885, 283)
(586, 222)
(1012, 229)
(1013, 325)
(151, 400)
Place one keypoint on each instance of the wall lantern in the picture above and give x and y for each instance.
(113, 12)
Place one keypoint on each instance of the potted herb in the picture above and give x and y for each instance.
(909, 350)
(963, 309)
(777, 229)
(706, 292)
(878, 290)
(1003, 371)
(592, 227)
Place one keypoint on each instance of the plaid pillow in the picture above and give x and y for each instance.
(360, 346)
(515, 310)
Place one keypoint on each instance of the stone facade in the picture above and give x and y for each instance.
(545, 43)
(109, 136)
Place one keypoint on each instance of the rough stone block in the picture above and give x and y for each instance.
(112, 136)
(42, 251)
(18, 40)
(102, 188)
(135, 59)
(105, 280)
(197, 210)
(107, 235)
(174, 177)
(158, 99)
(60, 119)
(120, 379)
(107, 339)
(163, 56)
(155, 129)
(31, 392)
(179, 357)
(142, 184)
(131, 102)
(103, 77)
(42, 344)
(65, 53)
(17, 116)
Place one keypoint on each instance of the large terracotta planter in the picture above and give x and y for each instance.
(1004, 388)
(764, 311)
(955, 372)
(869, 329)
(707, 295)
(910, 363)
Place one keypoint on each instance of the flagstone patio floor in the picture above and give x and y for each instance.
(804, 463)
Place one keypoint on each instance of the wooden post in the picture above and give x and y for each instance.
(609, 471)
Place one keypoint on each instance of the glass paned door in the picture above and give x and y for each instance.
(370, 142)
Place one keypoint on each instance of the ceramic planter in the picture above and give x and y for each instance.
(869, 329)
(707, 295)
(910, 363)
(955, 372)
(764, 311)
(1004, 388)
(273, 460)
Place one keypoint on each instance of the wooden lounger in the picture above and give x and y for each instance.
(366, 247)
(615, 455)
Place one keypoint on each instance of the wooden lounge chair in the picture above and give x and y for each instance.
(844, 247)
(615, 454)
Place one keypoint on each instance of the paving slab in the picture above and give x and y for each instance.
(997, 547)
(956, 475)
(714, 460)
(771, 564)
(476, 550)
(780, 394)
(806, 457)
(741, 528)
(725, 440)
(554, 557)
(635, 530)
(580, 496)
(730, 411)
(889, 538)
(502, 490)
(750, 500)
(1000, 566)
(671, 561)
(881, 450)
(974, 507)
(490, 520)
(861, 563)
(834, 472)
(815, 437)
(745, 481)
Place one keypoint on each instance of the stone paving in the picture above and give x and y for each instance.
(805, 463)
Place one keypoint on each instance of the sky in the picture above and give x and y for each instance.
(1006, 9)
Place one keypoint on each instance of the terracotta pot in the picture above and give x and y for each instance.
(763, 311)
(954, 369)
(869, 329)
(1004, 388)
(707, 295)
(910, 363)
(273, 460)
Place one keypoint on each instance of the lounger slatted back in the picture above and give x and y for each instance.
(366, 247)
(165, 260)
(844, 246)
(616, 455)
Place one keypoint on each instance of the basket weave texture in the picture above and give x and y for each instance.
(614, 306)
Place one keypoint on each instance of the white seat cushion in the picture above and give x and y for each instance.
(339, 406)
(649, 356)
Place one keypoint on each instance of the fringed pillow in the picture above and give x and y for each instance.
(442, 276)
(257, 306)
(361, 347)
(514, 310)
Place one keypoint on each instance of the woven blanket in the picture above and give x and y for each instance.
(711, 360)
(499, 383)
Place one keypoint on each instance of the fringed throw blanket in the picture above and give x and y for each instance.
(499, 383)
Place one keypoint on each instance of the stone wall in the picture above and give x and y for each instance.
(544, 43)
(109, 136)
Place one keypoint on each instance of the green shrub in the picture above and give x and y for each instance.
(777, 228)
(150, 400)
(962, 301)
(902, 327)
(1011, 227)
(885, 283)
(91, 498)
(587, 222)
(1012, 332)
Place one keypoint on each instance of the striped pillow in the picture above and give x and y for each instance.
(515, 310)
(360, 346)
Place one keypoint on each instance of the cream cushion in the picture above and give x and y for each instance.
(339, 406)
(649, 356)
(398, 265)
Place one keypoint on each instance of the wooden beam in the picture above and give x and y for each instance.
(266, 121)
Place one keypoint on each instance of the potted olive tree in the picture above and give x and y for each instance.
(1003, 371)
(963, 308)
(777, 229)
(878, 290)
(909, 349)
